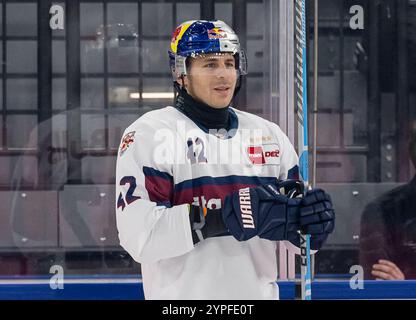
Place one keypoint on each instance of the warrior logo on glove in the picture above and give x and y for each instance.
(245, 207)
(265, 212)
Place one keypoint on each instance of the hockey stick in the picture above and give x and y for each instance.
(302, 119)
(315, 105)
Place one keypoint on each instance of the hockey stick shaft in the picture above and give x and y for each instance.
(302, 118)
(315, 104)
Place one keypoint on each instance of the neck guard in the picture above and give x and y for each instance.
(201, 113)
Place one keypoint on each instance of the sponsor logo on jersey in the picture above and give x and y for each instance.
(211, 204)
(127, 141)
(217, 33)
(265, 154)
(245, 208)
(255, 155)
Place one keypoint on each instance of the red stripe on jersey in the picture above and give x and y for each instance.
(209, 191)
(159, 189)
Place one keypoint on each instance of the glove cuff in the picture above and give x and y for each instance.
(206, 225)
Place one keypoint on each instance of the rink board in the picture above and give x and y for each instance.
(131, 288)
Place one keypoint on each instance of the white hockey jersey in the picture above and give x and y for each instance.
(165, 162)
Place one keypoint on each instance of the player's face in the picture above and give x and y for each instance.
(212, 79)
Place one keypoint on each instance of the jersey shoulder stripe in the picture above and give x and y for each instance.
(151, 172)
(226, 180)
(159, 185)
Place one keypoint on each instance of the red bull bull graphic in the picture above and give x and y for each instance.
(217, 33)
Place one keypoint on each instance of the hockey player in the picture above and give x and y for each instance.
(198, 194)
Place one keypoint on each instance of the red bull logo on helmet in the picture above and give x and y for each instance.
(217, 33)
(177, 35)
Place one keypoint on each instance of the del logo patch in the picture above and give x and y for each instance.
(127, 141)
(266, 154)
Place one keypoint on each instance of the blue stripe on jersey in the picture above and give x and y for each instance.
(223, 181)
(150, 172)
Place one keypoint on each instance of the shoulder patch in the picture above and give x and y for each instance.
(126, 142)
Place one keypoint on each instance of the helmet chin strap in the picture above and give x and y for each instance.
(179, 88)
(183, 81)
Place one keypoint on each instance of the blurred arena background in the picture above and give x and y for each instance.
(66, 96)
